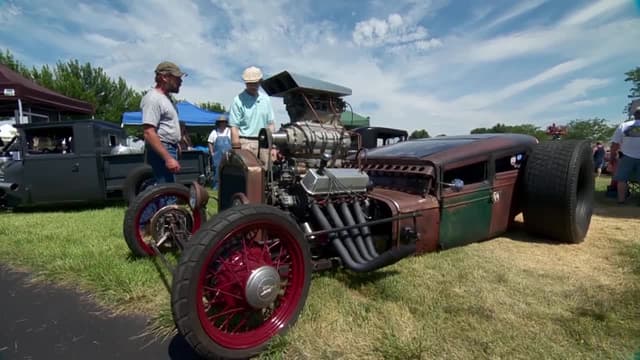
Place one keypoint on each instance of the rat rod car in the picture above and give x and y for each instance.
(244, 274)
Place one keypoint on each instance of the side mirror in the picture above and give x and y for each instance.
(16, 156)
(456, 185)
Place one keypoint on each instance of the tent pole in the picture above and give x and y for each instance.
(19, 119)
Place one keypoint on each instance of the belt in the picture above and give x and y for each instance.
(170, 144)
(249, 137)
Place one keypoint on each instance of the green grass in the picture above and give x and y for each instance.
(511, 297)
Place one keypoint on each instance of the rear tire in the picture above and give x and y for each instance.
(558, 190)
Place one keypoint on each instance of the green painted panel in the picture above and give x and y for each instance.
(465, 218)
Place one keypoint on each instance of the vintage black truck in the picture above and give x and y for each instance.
(81, 161)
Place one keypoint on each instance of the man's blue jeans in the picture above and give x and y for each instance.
(160, 171)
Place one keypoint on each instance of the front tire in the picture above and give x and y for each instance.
(244, 280)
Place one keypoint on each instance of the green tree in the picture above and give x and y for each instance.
(109, 97)
(419, 134)
(633, 76)
(496, 129)
(595, 129)
(527, 129)
(212, 106)
(14, 64)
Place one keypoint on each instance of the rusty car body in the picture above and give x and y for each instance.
(244, 275)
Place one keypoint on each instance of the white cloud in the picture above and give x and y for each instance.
(390, 59)
(102, 41)
(478, 101)
(392, 31)
(9, 11)
(598, 9)
(517, 44)
(589, 102)
(519, 9)
(575, 89)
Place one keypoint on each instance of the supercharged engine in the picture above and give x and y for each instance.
(312, 147)
(308, 179)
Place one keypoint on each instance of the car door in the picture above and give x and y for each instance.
(507, 169)
(54, 172)
(465, 213)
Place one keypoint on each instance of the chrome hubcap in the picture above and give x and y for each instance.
(263, 287)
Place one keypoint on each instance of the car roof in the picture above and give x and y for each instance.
(451, 148)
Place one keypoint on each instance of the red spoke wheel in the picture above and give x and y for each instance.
(160, 212)
(244, 280)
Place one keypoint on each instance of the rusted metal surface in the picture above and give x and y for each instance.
(465, 215)
(503, 193)
(251, 173)
(425, 226)
(478, 149)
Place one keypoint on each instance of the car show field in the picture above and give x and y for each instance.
(516, 296)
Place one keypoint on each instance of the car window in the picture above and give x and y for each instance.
(49, 141)
(469, 174)
(510, 162)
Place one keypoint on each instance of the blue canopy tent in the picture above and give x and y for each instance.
(187, 112)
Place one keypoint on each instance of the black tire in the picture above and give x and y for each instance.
(133, 236)
(135, 181)
(559, 190)
(212, 248)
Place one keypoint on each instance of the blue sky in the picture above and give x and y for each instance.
(445, 66)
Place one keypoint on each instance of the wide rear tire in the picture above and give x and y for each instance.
(244, 280)
(559, 190)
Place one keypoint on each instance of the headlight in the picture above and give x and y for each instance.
(198, 196)
(193, 193)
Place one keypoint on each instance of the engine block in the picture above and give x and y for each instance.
(334, 181)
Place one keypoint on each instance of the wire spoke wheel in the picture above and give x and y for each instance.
(243, 282)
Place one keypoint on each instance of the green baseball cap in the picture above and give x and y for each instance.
(167, 67)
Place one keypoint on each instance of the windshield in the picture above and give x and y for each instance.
(12, 145)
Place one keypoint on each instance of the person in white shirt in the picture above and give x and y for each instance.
(219, 142)
(626, 139)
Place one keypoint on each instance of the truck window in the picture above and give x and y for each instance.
(50, 141)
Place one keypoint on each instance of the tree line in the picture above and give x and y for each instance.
(110, 97)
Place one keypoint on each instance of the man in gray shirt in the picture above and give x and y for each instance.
(161, 124)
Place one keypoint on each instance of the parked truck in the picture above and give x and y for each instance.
(81, 161)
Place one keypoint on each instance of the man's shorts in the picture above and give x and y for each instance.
(252, 145)
(628, 169)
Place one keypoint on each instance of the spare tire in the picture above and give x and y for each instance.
(136, 182)
(558, 190)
